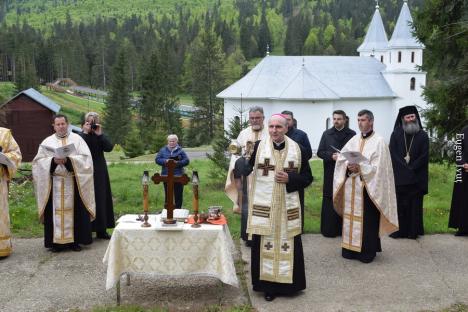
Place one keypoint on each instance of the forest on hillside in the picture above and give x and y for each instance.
(79, 39)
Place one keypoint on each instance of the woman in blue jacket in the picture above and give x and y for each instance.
(173, 151)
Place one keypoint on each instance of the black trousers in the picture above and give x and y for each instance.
(178, 195)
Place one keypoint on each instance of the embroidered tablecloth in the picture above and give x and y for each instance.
(182, 251)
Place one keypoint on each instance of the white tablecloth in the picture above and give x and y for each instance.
(202, 251)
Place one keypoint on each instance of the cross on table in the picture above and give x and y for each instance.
(291, 167)
(268, 246)
(266, 167)
(170, 179)
(285, 246)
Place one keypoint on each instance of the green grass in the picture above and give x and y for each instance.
(127, 193)
(7, 90)
(73, 106)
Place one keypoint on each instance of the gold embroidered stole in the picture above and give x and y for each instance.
(353, 213)
(274, 213)
(63, 200)
(11, 149)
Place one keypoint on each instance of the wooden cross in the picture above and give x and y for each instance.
(266, 167)
(170, 179)
(285, 246)
(291, 167)
(268, 246)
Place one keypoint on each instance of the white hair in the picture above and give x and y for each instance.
(94, 115)
(172, 136)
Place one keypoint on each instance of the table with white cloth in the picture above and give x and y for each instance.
(162, 250)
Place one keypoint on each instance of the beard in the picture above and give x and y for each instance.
(411, 128)
(256, 127)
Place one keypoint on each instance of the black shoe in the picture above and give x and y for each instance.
(103, 235)
(248, 243)
(75, 247)
(55, 249)
(461, 233)
(395, 235)
(269, 297)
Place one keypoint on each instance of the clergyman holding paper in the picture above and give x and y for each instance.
(364, 192)
(64, 188)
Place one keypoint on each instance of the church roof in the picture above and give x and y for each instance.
(402, 36)
(312, 78)
(376, 37)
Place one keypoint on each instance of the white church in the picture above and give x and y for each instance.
(383, 78)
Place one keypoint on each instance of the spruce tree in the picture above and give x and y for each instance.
(207, 66)
(117, 113)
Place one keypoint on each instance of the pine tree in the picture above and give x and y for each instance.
(264, 36)
(26, 77)
(442, 26)
(207, 64)
(117, 113)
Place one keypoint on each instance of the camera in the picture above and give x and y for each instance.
(94, 126)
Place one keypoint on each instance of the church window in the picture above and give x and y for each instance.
(399, 56)
(381, 58)
(412, 84)
(412, 57)
(327, 125)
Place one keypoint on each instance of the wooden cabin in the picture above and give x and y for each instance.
(29, 116)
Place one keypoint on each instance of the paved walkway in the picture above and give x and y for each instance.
(428, 274)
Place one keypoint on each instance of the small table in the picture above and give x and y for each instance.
(185, 250)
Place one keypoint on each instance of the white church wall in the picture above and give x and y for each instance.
(312, 116)
(383, 110)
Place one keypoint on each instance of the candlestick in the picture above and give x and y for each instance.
(144, 182)
(195, 182)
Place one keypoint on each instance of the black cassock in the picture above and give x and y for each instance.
(98, 144)
(81, 218)
(330, 221)
(297, 181)
(411, 180)
(459, 209)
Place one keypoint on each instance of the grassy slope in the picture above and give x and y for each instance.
(126, 189)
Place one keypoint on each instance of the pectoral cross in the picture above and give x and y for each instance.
(170, 179)
(291, 167)
(266, 167)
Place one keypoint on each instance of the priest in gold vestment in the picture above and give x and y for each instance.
(11, 150)
(64, 189)
(364, 193)
(279, 169)
(237, 186)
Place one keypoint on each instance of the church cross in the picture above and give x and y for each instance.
(285, 247)
(291, 167)
(266, 167)
(268, 246)
(170, 179)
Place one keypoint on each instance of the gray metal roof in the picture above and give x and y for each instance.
(312, 78)
(376, 37)
(402, 36)
(40, 98)
(89, 90)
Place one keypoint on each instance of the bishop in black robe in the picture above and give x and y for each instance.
(409, 149)
(459, 209)
(330, 221)
(297, 181)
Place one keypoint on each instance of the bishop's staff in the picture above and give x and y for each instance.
(195, 182)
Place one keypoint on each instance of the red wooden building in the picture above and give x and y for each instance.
(29, 116)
